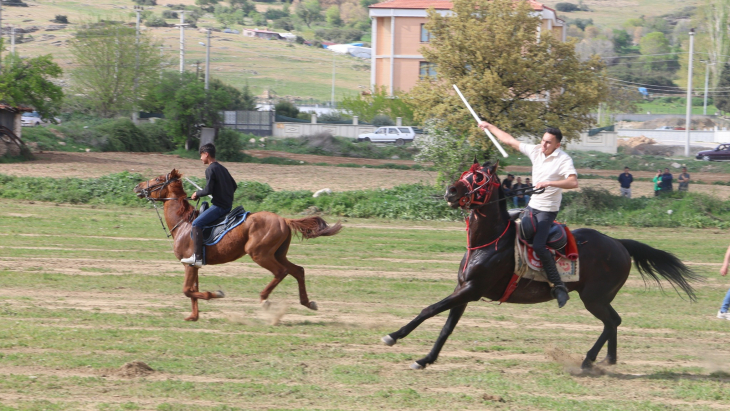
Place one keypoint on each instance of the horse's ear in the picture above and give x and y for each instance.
(175, 174)
(475, 159)
(495, 167)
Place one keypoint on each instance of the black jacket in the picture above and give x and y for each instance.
(219, 184)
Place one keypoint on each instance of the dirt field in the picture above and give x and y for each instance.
(304, 177)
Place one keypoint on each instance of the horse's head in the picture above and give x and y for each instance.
(475, 186)
(158, 188)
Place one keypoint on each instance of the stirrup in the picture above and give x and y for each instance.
(192, 261)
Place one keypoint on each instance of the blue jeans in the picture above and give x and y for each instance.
(210, 215)
(517, 200)
(725, 303)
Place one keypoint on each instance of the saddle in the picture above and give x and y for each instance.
(213, 233)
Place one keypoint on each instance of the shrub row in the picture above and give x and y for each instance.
(413, 201)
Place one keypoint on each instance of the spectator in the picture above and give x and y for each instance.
(507, 184)
(683, 180)
(518, 185)
(667, 181)
(726, 302)
(657, 182)
(625, 179)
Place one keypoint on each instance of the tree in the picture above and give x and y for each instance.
(107, 61)
(655, 50)
(515, 80)
(367, 107)
(722, 98)
(309, 11)
(332, 15)
(186, 104)
(28, 82)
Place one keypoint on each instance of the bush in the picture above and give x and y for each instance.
(567, 7)
(155, 21)
(123, 135)
(382, 120)
(286, 24)
(286, 108)
(273, 14)
(169, 14)
(339, 35)
(61, 19)
(228, 146)
(146, 2)
(157, 135)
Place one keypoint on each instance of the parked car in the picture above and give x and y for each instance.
(34, 119)
(390, 134)
(721, 152)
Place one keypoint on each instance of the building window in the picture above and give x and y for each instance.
(426, 70)
(425, 34)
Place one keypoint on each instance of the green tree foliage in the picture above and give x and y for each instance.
(309, 11)
(367, 107)
(332, 16)
(105, 56)
(228, 16)
(27, 82)
(515, 80)
(286, 108)
(243, 5)
(229, 146)
(655, 51)
(722, 98)
(186, 105)
(240, 99)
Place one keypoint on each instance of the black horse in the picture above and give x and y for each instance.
(488, 266)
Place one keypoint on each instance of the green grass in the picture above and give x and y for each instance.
(86, 290)
(656, 107)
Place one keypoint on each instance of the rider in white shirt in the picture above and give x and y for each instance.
(553, 170)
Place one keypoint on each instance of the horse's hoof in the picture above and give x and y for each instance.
(265, 304)
(219, 294)
(587, 364)
(417, 366)
(313, 306)
(191, 318)
(388, 340)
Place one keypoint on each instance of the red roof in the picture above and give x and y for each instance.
(436, 4)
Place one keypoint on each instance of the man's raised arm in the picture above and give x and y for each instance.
(501, 135)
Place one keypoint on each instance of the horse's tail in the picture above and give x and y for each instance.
(653, 263)
(313, 227)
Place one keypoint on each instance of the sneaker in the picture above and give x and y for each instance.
(192, 261)
(722, 315)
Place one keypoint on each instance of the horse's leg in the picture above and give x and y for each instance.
(277, 269)
(190, 289)
(454, 316)
(461, 296)
(611, 321)
(295, 271)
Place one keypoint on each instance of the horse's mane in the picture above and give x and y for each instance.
(502, 203)
(186, 211)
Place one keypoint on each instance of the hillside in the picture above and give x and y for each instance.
(279, 67)
(285, 69)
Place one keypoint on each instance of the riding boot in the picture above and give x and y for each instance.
(196, 259)
(559, 291)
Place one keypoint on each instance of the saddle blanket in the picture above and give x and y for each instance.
(527, 261)
(215, 233)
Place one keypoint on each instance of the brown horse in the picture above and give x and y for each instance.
(264, 236)
(489, 264)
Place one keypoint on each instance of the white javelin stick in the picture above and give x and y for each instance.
(494, 140)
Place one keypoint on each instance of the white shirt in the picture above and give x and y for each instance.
(555, 167)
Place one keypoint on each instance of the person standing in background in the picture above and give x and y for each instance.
(683, 180)
(625, 179)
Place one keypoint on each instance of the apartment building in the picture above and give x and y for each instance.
(398, 34)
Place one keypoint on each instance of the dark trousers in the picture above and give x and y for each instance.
(539, 242)
(211, 214)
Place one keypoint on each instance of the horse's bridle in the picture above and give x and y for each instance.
(479, 191)
(158, 187)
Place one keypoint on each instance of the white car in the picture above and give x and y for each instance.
(34, 119)
(390, 134)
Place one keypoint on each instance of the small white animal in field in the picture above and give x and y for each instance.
(322, 191)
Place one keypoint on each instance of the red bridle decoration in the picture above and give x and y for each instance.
(480, 190)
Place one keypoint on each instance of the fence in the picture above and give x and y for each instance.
(258, 123)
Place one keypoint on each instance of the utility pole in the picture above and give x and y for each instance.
(162, 58)
(333, 81)
(1, 34)
(688, 117)
(135, 112)
(12, 40)
(182, 40)
(207, 60)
